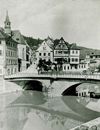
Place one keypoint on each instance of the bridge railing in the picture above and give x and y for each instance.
(51, 75)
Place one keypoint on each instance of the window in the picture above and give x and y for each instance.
(60, 52)
(73, 52)
(8, 23)
(44, 48)
(0, 42)
(11, 62)
(63, 46)
(23, 54)
(48, 54)
(91, 56)
(64, 67)
(17, 39)
(76, 52)
(65, 52)
(59, 45)
(44, 54)
(0, 52)
(75, 67)
(72, 59)
(27, 57)
(15, 70)
(0, 71)
(8, 71)
(39, 54)
(76, 60)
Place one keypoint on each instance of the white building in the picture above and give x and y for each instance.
(83, 93)
(74, 55)
(15, 52)
(24, 53)
(74, 63)
(45, 50)
(8, 50)
(66, 56)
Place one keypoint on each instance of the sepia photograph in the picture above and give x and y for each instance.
(49, 64)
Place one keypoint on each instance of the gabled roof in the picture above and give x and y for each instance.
(60, 41)
(1, 35)
(5, 36)
(49, 42)
(73, 46)
(17, 36)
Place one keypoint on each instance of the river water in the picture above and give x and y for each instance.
(32, 110)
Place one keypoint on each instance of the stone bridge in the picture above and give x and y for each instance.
(52, 80)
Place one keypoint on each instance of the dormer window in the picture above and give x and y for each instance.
(8, 23)
(17, 39)
(44, 48)
(59, 45)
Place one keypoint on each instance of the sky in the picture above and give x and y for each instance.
(77, 21)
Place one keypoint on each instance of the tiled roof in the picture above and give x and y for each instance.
(95, 54)
(57, 41)
(18, 37)
(49, 42)
(2, 34)
(73, 46)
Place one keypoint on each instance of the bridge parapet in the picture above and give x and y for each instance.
(53, 76)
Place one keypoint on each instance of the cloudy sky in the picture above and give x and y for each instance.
(78, 21)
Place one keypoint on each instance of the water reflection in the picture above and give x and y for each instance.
(84, 112)
(30, 97)
(21, 118)
(90, 103)
(31, 110)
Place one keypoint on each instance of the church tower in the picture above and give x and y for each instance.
(7, 24)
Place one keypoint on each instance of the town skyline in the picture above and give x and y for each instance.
(76, 21)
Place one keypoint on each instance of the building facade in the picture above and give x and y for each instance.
(8, 53)
(61, 51)
(64, 56)
(15, 53)
(45, 51)
(24, 53)
(10, 49)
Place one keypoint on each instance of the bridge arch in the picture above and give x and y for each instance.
(33, 85)
(71, 90)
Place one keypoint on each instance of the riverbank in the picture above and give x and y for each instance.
(8, 87)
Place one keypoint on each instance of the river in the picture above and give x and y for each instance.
(32, 110)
